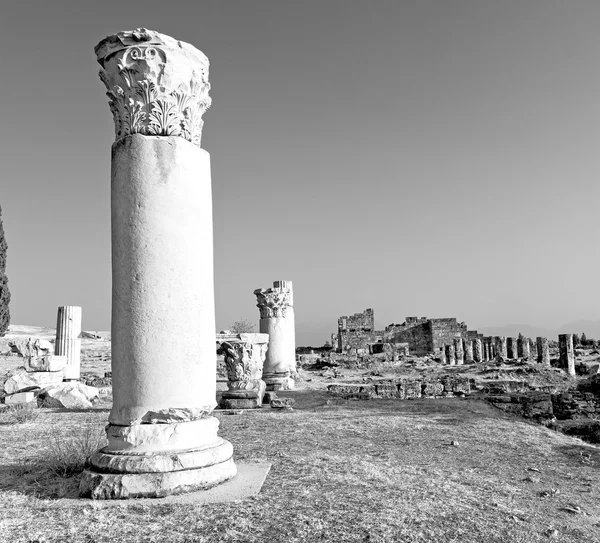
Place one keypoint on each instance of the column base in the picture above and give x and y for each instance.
(279, 382)
(124, 476)
(243, 398)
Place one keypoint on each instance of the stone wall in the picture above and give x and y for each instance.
(357, 332)
(426, 335)
(403, 389)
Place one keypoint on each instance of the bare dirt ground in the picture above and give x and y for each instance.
(444, 470)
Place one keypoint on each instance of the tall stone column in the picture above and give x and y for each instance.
(162, 438)
(477, 351)
(450, 356)
(523, 348)
(486, 349)
(459, 352)
(501, 350)
(567, 353)
(511, 348)
(277, 320)
(543, 351)
(68, 342)
(468, 346)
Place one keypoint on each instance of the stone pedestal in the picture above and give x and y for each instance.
(459, 352)
(478, 351)
(543, 351)
(567, 353)
(162, 438)
(68, 342)
(277, 320)
(511, 348)
(244, 359)
(450, 356)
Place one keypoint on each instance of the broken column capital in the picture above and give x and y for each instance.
(156, 85)
(273, 302)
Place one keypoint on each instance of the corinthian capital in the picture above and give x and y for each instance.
(156, 85)
(272, 302)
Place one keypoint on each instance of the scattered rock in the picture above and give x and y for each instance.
(269, 396)
(68, 395)
(23, 379)
(283, 403)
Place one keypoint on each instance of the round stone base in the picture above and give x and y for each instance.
(123, 486)
(279, 383)
(119, 476)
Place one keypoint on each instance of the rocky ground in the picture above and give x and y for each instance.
(472, 457)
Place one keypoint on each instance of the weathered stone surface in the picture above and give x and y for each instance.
(457, 385)
(69, 395)
(543, 351)
(46, 363)
(283, 403)
(432, 389)
(468, 347)
(162, 438)
(511, 348)
(110, 486)
(19, 398)
(523, 348)
(459, 353)
(244, 358)
(277, 319)
(353, 391)
(269, 397)
(214, 453)
(68, 341)
(22, 379)
(477, 351)
(450, 357)
(156, 85)
(535, 405)
(567, 354)
(240, 403)
(31, 347)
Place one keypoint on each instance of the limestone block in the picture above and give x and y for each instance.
(48, 362)
(69, 395)
(283, 403)
(23, 379)
(19, 398)
(31, 347)
(433, 389)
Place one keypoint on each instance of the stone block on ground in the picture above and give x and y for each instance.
(69, 395)
(48, 362)
(240, 403)
(23, 379)
(431, 390)
(269, 396)
(19, 398)
(283, 403)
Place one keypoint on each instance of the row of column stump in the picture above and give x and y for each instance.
(482, 350)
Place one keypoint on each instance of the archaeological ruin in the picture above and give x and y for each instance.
(276, 306)
(162, 438)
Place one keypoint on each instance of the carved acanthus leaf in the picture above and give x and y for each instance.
(272, 302)
(156, 86)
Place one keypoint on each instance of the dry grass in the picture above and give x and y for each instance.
(376, 471)
(19, 413)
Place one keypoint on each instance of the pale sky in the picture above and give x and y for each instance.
(425, 157)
